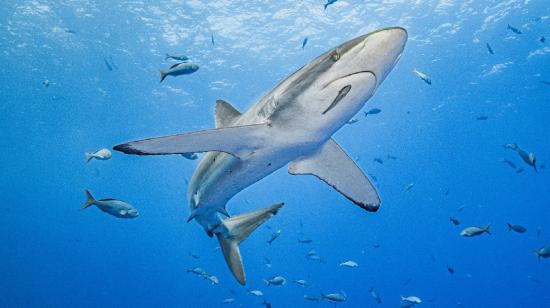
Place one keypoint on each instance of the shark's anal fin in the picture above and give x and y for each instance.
(232, 231)
(332, 165)
(225, 114)
(238, 141)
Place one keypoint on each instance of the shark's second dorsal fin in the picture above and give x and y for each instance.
(225, 114)
(332, 165)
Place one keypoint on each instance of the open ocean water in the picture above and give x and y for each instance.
(78, 76)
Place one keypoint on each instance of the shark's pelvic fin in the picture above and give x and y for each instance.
(225, 114)
(238, 141)
(332, 165)
(236, 229)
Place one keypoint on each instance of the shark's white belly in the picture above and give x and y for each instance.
(220, 176)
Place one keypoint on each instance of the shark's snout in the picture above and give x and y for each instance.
(382, 50)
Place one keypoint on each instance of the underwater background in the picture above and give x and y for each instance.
(77, 76)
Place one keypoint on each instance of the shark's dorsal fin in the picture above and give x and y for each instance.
(238, 141)
(225, 114)
(332, 165)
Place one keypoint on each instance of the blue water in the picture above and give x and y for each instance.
(53, 255)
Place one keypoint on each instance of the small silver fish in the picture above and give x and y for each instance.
(450, 270)
(474, 231)
(373, 111)
(183, 68)
(415, 300)
(113, 207)
(349, 264)
(375, 295)
(454, 220)
(274, 236)
(301, 282)
(427, 79)
(334, 297)
(528, 158)
(516, 228)
(489, 49)
(257, 293)
(197, 271)
(213, 279)
(228, 300)
(513, 29)
(103, 154)
(177, 57)
(509, 163)
(275, 281)
(312, 255)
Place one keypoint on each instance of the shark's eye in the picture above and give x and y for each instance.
(335, 55)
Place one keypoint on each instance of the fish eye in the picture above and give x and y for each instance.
(335, 55)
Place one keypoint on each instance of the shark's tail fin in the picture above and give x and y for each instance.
(162, 75)
(167, 57)
(488, 229)
(89, 200)
(236, 229)
(509, 226)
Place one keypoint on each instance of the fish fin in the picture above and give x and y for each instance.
(232, 231)
(225, 113)
(89, 156)
(509, 226)
(89, 200)
(266, 282)
(488, 229)
(167, 57)
(171, 67)
(123, 212)
(162, 75)
(192, 215)
(332, 165)
(238, 141)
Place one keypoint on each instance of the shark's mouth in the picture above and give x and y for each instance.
(354, 73)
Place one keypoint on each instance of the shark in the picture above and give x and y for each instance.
(292, 125)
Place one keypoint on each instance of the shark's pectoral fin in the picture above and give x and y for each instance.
(332, 165)
(238, 141)
(225, 114)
